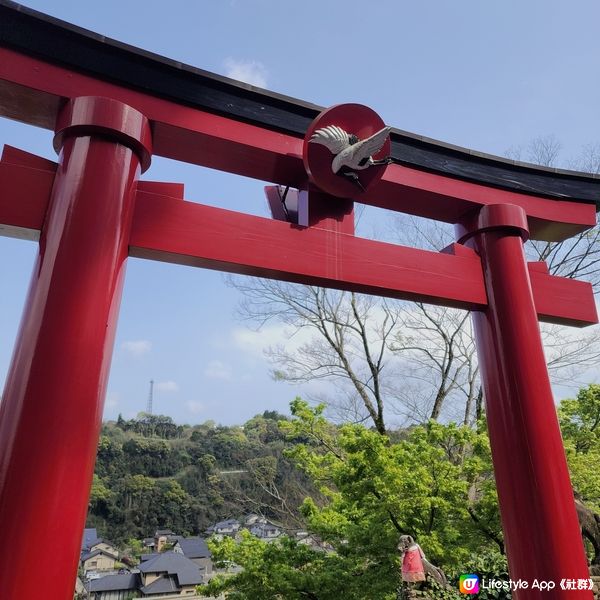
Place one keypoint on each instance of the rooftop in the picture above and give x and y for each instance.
(194, 547)
(89, 537)
(187, 572)
(163, 585)
(88, 555)
(128, 581)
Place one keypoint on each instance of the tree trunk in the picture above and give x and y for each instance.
(479, 404)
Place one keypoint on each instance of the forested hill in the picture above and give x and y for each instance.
(151, 473)
(359, 492)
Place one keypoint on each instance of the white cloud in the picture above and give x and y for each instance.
(256, 342)
(166, 386)
(216, 369)
(248, 71)
(137, 348)
(194, 406)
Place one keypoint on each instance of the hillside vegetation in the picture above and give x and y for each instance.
(356, 490)
(151, 473)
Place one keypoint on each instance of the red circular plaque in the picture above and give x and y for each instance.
(354, 119)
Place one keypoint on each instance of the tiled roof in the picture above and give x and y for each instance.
(187, 572)
(225, 524)
(194, 547)
(162, 585)
(102, 541)
(145, 557)
(89, 537)
(128, 581)
(87, 555)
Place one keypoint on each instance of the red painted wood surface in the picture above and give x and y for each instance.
(541, 530)
(16, 156)
(166, 228)
(329, 212)
(51, 409)
(25, 185)
(32, 90)
(193, 234)
(202, 236)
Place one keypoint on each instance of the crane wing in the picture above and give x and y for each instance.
(334, 138)
(372, 145)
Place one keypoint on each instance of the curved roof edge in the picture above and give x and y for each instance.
(36, 34)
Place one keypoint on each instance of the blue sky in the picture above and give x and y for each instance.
(482, 74)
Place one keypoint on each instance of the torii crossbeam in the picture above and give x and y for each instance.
(112, 107)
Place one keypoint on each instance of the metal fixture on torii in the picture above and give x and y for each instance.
(112, 107)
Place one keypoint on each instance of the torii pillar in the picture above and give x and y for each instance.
(51, 411)
(539, 520)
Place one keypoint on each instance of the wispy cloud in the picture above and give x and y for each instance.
(137, 348)
(166, 386)
(216, 369)
(194, 407)
(248, 71)
(255, 343)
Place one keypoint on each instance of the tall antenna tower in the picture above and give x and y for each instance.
(150, 397)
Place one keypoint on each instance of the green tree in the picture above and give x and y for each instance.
(287, 569)
(430, 484)
(580, 424)
(101, 497)
(580, 419)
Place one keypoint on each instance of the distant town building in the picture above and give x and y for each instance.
(149, 544)
(98, 561)
(98, 555)
(197, 551)
(252, 519)
(228, 527)
(162, 537)
(113, 587)
(169, 573)
(265, 531)
(163, 575)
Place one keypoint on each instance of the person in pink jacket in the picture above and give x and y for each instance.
(413, 569)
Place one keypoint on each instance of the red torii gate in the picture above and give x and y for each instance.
(112, 107)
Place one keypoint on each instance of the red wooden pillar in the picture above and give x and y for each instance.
(541, 530)
(51, 409)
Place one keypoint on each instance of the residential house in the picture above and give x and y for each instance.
(265, 531)
(228, 527)
(113, 587)
(169, 573)
(98, 556)
(105, 545)
(252, 519)
(91, 541)
(162, 537)
(149, 544)
(98, 560)
(313, 541)
(197, 551)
